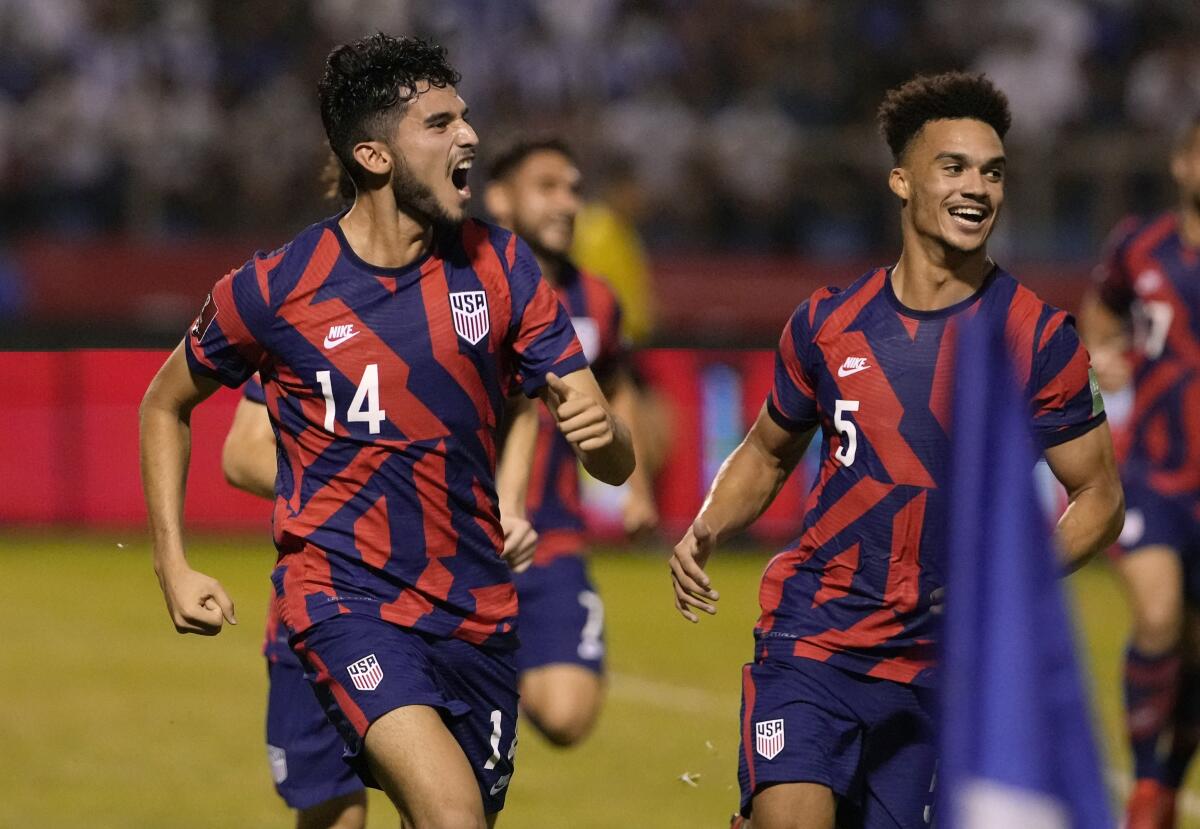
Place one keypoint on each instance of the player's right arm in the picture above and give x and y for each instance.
(745, 486)
(196, 603)
(1104, 314)
(248, 458)
(750, 478)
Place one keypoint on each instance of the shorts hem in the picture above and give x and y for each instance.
(315, 797)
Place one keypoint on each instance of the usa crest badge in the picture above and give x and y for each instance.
(366, 673)
(471, 321)
(768, 738)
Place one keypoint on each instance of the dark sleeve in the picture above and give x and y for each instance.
(543, 340)
(1065, 397)
(792, 402)
(221, 343)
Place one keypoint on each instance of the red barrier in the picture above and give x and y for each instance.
(69, 439)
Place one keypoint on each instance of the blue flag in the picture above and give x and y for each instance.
(1016, 732)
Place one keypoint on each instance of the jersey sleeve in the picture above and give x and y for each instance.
(792, 402)
(1114, 283)
(1065, 399)
(221, 344)
(543, 339)
(253, 391)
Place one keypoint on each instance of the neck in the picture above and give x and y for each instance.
(929, 276)
(1189, 222)
(551, 267)
(382, 233)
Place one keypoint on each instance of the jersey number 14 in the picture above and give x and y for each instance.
(364, 407)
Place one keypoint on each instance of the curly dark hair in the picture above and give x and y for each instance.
(368, 84)
(925, 98)
(512, 156)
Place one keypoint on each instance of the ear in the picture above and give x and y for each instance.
(1178, 168)
(374, 157)
(498, 202)
(898, 183)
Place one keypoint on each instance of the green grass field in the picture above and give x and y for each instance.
(113, 720)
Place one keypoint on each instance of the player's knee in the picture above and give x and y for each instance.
(1157, 627)
(448, 816)
(564, 722)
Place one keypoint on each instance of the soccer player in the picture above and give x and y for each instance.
(836, 717)
(387, 338)
(1150, 282)
(534, 190)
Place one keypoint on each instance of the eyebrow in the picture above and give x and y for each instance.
(998, 161)
(437, 116)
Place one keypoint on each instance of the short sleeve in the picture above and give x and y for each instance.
(543, 340)
(1114, 284)
(1065, 400)
(792, 402)
(254, 392)
(221, 344)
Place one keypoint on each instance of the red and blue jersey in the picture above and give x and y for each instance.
(1152, 277)
(554, 502)
(385, 388)
(855, 589)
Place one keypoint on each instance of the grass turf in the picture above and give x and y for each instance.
(113, 720)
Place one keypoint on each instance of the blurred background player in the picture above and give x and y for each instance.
(837, 718)
(373, 335)
(534, 190)
(303, 747)
(1143, 317)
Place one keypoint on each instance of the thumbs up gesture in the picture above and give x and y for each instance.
(585, 424)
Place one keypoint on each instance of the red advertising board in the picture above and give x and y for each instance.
(69, 439)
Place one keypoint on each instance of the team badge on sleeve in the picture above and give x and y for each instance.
(366, 673)
(471, 320)
(768, 738)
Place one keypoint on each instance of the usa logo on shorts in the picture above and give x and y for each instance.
(470, 315)
(366, 673)
(768, 738)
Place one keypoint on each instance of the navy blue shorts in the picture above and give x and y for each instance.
(363, 667)
(1153, 519)
(560, 616)
(304, 749)
(871, 741)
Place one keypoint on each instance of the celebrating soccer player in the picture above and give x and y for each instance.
(387, 338)
(535, 191)
(1150, 282)
(836, 716)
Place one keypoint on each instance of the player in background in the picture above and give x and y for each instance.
(387, 339)
(303, 747)
(1144, 316)
(534, 190)
(836, 710)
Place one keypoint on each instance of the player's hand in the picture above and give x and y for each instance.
(197, 603)
(690, 582)
(585, 424)
(639, 517)
(520, 541)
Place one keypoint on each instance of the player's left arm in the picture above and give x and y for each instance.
(248, 458)
(598, 437)
(1086, 467)
(512, 481)
(639, 514)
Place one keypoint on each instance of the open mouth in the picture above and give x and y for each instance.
(458, 177)
(968, 217)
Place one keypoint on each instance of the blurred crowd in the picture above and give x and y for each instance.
(729, 124)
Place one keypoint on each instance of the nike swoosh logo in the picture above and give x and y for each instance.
(335, 343)
(844, 372)
(500, 785)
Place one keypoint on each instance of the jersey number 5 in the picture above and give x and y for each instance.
(368, 393)
(846, 429)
